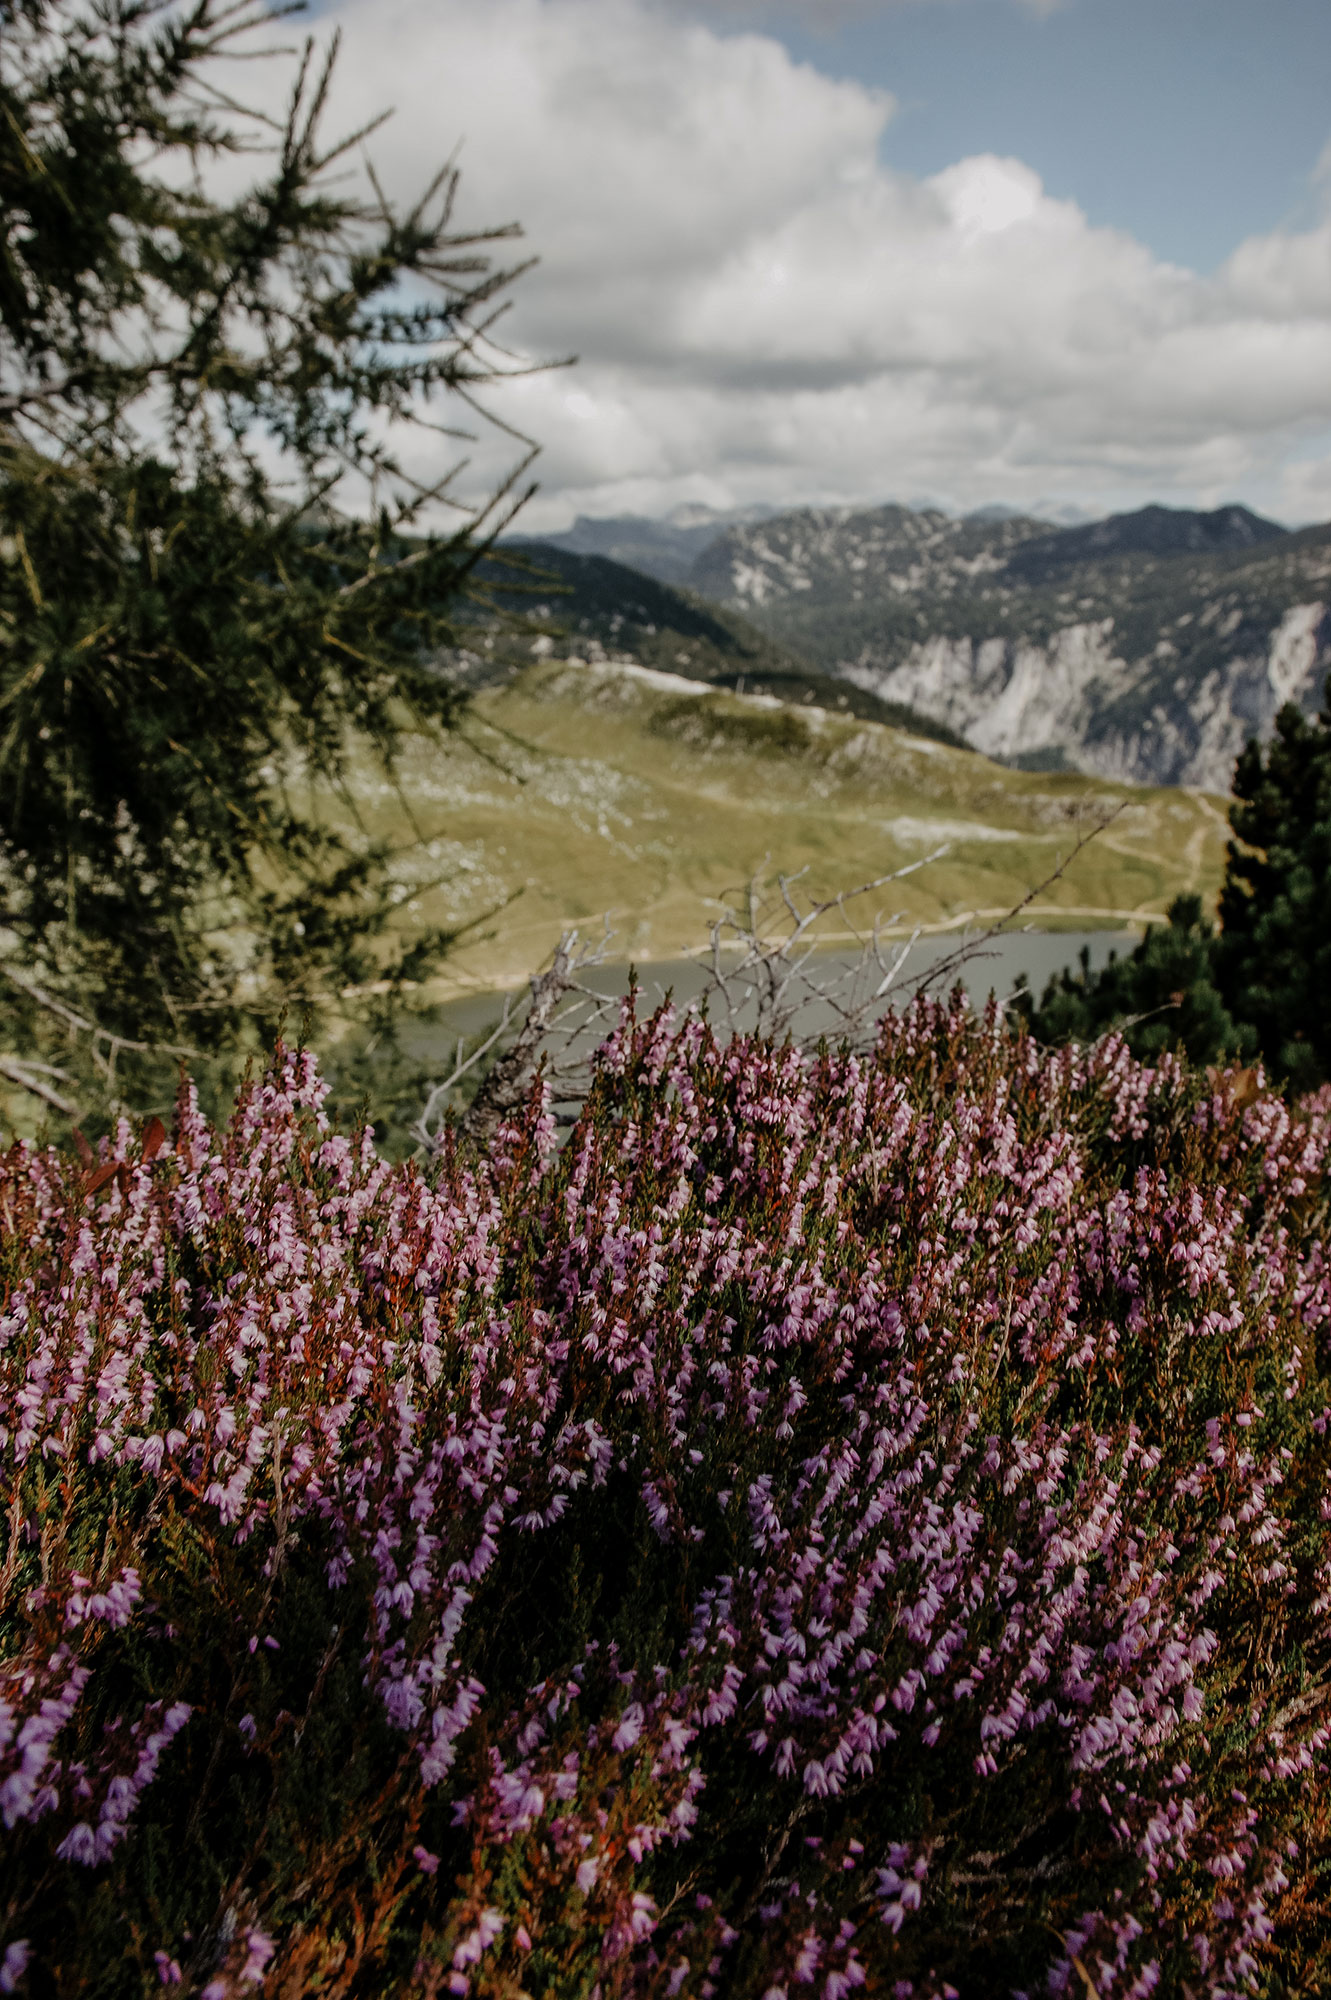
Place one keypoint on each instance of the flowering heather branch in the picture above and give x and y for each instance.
(841, 1521)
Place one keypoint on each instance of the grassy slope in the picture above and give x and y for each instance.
(592, 789)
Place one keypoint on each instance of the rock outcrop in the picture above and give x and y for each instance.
(1149, 647)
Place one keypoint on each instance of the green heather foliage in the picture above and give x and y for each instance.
(1262, 984)
(213, 347)
(839, 1521)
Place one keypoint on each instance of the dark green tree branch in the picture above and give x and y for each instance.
(221, 459)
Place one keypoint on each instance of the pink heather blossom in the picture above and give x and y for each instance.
(966, 1395)
(478, 1941)
(13, 1965)
(259, 1949)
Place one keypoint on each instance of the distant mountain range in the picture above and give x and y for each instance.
(605, 610)
(668, 548)
(1149, 646)
(665, 549)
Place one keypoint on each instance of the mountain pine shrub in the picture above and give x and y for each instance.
(839, 1521)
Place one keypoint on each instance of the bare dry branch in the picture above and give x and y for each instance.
(105, 1046)
(974, 947)
(505, 1086)
(771, 973)
(20, 1073)
(46, 1000)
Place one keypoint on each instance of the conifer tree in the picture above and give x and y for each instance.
(1260, 985)
(1162, 993)
(220, 352)
(1272, 958)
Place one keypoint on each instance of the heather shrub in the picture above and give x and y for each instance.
(835, 1521)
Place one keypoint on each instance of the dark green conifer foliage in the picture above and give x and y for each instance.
(1162, 994)
(219, 356)
(1273, 956)
(1261, 984)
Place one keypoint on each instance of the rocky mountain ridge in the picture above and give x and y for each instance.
(593, 608)
(1148, 647)
(663, 549)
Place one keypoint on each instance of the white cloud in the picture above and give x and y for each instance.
(823, 13)
(983, 196)
(765, 311)
(818, 14)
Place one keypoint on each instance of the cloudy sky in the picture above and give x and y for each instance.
(1068, 252)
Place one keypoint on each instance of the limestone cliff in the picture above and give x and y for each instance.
(1149, 646)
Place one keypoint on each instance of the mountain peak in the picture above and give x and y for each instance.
(1153, 531)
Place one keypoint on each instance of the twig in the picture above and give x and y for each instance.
(776, 967)
(45, 999)
(974, 946)
(505, 1086)
(425, 1129)
(104, 1044)
(16, 1072)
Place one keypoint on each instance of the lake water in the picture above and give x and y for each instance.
(993, 966)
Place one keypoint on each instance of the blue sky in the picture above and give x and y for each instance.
(1190, 123)
(1056, 256)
